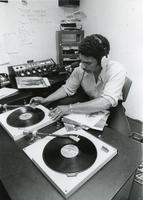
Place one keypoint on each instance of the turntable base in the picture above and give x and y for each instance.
(24, 118)
(68, 182)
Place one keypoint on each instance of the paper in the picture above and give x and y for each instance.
(5, 92)
(32, 82)
(96, 121)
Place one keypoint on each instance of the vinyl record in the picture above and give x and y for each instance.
(25, 116)
(68, 156)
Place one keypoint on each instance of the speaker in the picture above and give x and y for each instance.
(69, 3)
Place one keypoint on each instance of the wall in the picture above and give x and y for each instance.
(121, 22)
(28, 31)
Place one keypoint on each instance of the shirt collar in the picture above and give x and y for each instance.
(102, 74)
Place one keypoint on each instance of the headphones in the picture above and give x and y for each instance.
(105, 59)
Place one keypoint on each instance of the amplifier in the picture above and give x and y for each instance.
(42, 68)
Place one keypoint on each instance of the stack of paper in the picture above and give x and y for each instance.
(95, 121)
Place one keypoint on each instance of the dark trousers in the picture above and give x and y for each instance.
(117, 119)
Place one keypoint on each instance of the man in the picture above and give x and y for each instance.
(101, 79)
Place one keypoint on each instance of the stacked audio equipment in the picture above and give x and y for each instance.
(68, 42)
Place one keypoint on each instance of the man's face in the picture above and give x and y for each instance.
(88, 64)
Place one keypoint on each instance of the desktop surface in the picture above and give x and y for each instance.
(24, 181)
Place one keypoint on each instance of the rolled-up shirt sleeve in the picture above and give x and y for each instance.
(113, 88)
(73, 82)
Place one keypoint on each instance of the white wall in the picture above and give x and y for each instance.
(28, 32)
(121, 22)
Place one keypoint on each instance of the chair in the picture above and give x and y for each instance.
(126, 88)
(118, 119)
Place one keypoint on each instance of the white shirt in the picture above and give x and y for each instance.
(109, 85)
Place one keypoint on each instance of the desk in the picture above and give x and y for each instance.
(26, 94)
(23, 180)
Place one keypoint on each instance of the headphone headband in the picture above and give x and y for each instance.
(97, 38)
(101, 43)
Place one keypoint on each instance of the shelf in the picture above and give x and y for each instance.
(75, 31)
(71, 59)
(68, 41)
(69, 44)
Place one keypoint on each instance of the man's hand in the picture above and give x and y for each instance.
(58, 112)
(36, 101)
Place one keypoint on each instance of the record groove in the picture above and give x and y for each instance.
(25, 116)
(68, 156)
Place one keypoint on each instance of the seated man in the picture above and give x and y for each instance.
(100, 78)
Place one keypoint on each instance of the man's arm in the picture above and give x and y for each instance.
(58, 94)
(92, 106)
(72, 84)
(88, 107)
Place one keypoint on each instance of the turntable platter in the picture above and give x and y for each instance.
(68, 156)
(25, 116)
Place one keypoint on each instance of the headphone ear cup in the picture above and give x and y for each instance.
(105, 61)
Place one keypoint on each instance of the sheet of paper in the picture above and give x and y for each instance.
(32, 82)
(5, 92)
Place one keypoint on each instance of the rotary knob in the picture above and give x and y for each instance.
(28, 73)
(44, 69)
(39, 70)
(34, 71)
(22, 74)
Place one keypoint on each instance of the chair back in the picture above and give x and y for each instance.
(126, 88)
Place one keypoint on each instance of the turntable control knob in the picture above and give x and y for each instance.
(39, 70)
(22, 74)
(34, 71)
(44, 69)
(28, 73)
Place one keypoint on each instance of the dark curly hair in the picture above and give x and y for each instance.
(94, 45)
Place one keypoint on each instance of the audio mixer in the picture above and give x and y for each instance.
(43, 68)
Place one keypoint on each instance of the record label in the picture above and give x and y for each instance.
(69, 151)
(65, 155)
(25, 116)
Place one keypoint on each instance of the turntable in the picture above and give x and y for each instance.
(69, 159)
(18, 120)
